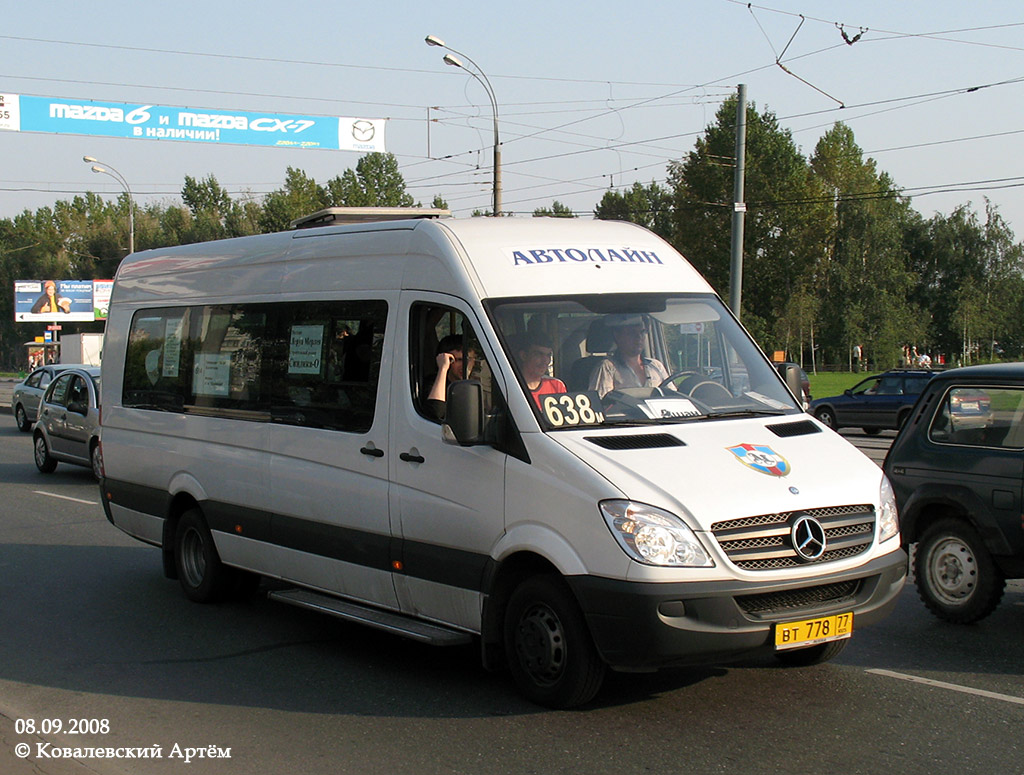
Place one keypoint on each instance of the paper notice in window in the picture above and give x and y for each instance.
(212, 375)
(305, 350)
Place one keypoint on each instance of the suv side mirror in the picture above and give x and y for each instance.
(464, 414)
(795, 384)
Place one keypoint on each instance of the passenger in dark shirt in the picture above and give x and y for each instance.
(453, 363)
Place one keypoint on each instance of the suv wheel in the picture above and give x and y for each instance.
(956, 577)
(827, 417)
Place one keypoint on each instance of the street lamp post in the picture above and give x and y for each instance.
(481, 77)
(108, 170)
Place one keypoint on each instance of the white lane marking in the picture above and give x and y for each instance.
(66, 497)
(952, 687)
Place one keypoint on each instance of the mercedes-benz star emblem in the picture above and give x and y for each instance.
(808, 537)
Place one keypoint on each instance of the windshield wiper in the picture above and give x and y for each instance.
(744, 413)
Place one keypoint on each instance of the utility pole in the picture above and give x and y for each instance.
(739, 207)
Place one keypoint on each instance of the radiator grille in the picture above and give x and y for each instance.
(764, 542)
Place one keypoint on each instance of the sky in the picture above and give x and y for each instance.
(591, 96)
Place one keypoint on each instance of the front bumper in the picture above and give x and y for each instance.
(639, 626)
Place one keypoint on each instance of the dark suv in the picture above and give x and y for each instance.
(881, 402)
(957, 468)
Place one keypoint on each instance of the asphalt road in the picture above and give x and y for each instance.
(90, 630)
(875, 447)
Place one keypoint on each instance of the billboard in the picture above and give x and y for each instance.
(61, 300)
(25, 113)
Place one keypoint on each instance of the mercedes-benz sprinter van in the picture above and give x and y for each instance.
(549, 437)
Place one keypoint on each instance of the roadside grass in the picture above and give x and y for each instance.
(833, 383)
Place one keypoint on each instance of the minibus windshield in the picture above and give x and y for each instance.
(631, 359)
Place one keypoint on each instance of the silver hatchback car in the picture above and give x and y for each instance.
(68, 428)
(27, 394)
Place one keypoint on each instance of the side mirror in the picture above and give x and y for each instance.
(464, 414)
(795, 384)
(848, 392)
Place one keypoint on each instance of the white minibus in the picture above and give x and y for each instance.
(548, 437)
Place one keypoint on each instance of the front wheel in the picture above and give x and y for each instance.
(41, 454)
(548, 646)
(21, 419)
(956, 577)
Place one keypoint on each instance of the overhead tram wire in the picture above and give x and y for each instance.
(527, 136)
(937, 35)
(278, 60)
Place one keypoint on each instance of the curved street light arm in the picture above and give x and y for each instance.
(106, 169)
(484, 81)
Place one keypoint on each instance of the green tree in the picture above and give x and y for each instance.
(557, 210)
(300, 196)
(970, 278)
(782, 201)
(375, 182)
(650, 206)
(862, 273)
(214, 214)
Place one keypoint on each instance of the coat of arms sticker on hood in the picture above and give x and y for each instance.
(761, 458)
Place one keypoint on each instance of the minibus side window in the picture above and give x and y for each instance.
(227, 351)
(325, 363)
(435, 326)
(157, 360)
(312, 363)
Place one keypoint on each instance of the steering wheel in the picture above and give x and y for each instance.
(680, 376)
(710, 392)
(699, 387)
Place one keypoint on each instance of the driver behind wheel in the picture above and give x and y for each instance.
(627, 367)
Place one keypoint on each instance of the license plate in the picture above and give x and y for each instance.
(794, 635)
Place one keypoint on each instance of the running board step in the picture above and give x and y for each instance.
(407, 627)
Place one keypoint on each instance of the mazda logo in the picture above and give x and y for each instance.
(363, 131)
(808, 537)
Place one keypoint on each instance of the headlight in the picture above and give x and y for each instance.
(653, 536)
(888, 519)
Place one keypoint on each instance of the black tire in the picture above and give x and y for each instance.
(203, 577)
(548, 645)
(41, 454)
(812, 655)
(956, 577)
(872, 431)
(827, 417)
(22, 419)
(96, 460)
